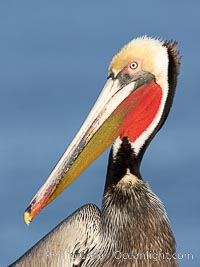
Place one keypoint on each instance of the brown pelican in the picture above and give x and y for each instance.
(132, 228)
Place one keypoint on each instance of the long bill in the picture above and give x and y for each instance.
(99, 130)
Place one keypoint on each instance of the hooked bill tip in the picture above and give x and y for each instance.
(27, 216)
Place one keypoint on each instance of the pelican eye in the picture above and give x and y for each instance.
(134, 65)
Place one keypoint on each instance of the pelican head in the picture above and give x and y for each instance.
(133, 103)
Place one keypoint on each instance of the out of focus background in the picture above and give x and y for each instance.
(54, 57)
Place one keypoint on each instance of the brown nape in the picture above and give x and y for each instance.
(173, 71)
(174, 59)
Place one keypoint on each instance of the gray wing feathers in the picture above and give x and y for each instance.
(66, 244)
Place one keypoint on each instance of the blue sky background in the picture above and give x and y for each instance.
(54, 57)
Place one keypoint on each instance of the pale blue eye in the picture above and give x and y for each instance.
(133, 65)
